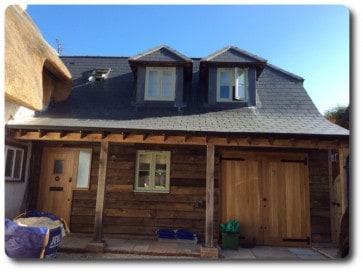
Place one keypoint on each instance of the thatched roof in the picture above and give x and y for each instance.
(27, 55)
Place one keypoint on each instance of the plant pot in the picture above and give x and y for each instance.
(230, 240)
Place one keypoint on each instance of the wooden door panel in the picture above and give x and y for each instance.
(55, 187)
(241, 196)
(268, 193)
(287, 212)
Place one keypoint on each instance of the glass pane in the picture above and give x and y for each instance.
(160, 171)
(224, 92)
(18, 164)
(241, 91)
(167, 84)
(58, 167)
(84, 167)
(224, 84)
(153, 84)
(9, 163)
(144, 170)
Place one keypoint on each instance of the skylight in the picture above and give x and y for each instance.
(99, 74)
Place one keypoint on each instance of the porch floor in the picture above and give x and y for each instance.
(74, 246)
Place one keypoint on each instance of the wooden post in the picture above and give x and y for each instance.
(101, 189)
(343, 154)
(209, 196)
(331, 196)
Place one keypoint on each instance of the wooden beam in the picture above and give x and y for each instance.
(271, 140)
(124, 135)
(62, 134)
(42, 133)
(82, 134)
(293, 141)
(180, 140)
(104, 134)
(101, 190)
(209, 195)
(343, 154)
(331, 195)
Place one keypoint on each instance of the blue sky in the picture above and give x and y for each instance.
(311, 41)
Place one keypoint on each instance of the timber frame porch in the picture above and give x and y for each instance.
(208, 140)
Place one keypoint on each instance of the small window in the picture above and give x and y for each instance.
(84, 169)
(160, 84)
(231, 85)
(14, 158)
(99, 74)
(152, 171)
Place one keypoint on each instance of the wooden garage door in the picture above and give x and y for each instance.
(241, 192)
(268, 195)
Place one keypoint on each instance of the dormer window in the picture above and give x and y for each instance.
(232, 85)
(160, 83)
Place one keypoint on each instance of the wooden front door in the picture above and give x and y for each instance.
(269, 195)
(58, 172)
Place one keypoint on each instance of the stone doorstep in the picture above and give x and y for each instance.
(96, 246)
(209, 252)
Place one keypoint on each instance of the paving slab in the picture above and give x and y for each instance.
(273, 253)
(240, 254)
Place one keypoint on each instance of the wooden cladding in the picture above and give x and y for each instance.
(142, 213)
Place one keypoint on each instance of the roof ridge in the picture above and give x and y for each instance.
(154, 49)
(235, 48)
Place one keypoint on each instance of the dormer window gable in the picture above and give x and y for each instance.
(160, 75)
(230, 75)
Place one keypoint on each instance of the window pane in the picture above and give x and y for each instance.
(224, 84)
(18, 164)
(160, 171)
(144, 170)
(241, 90)
(84, 166)
(9, 163)
(58, 167)
(167, 84)
(153, 84)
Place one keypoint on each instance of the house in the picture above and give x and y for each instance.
(34, 75)
(161, 140)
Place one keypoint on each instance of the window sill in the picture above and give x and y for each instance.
(151, 191)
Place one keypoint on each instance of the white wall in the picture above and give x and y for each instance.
(15, 191)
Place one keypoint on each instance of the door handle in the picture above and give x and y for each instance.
(70, 180)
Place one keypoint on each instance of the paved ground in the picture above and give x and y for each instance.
(74, 247)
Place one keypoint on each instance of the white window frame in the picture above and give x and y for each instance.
(152, 187)
(160, 71)
(234, 72)
(13, 176)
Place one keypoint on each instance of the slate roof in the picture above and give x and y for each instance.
(283, 106)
